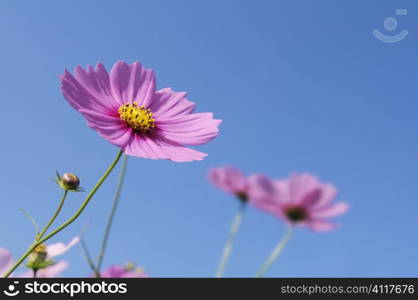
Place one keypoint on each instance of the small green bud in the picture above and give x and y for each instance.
(38, 258)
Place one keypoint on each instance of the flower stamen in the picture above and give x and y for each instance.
(137, 117)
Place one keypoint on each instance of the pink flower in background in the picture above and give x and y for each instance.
(128, 271)
(53, 250)
(301, 200)
(233, 181)
(52, 271)
(125, 109)
(230, 180)
(6, 260)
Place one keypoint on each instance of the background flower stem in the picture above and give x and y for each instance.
(115, 203)
(35, 225)
(69, 221)
(40, 235)
(88, 257)
(231, 238)
(275, 253)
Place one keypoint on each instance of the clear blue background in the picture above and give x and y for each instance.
(302, 86)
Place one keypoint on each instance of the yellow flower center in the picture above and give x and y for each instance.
(137, 117)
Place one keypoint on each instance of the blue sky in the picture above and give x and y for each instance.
(302, 86)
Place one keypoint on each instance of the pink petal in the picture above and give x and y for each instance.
(6, 260)
(166, 104)
(85, 93)
(311, 198)
(179, 153)
(119, 137)
(154, 146)
(330, 211)
(131, 83)
(143, 146)
(261, 186)
(134, 147)
(329, 193)
(321, 225)
(109, 127)
(101, 119)
(116, 271)
(60, 248)
(229, 179)
(300, 185)
(183, 154)
(282, 191)
(191, 129)
(150, 149)
(266, 205)
(157, 148)
(134, 274)
(96, 82)
(262, 193)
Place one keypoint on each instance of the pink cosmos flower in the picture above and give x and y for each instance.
(233, 181)
(53, 250)
(128, 271)
(230, 180)
(300, 200)
(125, 109)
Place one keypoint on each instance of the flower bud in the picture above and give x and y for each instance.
(38, 259)
(69, 182)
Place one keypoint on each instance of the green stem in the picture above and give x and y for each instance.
(69, 221)
(275, 253)
(231, 238)
(118, 192)
(39, 236)
(88, 258)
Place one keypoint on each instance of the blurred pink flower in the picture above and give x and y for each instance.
(117, 271)
(6, 260)
(53, 250)
(233, 181)
(230, 180)
(300, 200)
(125, 109)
